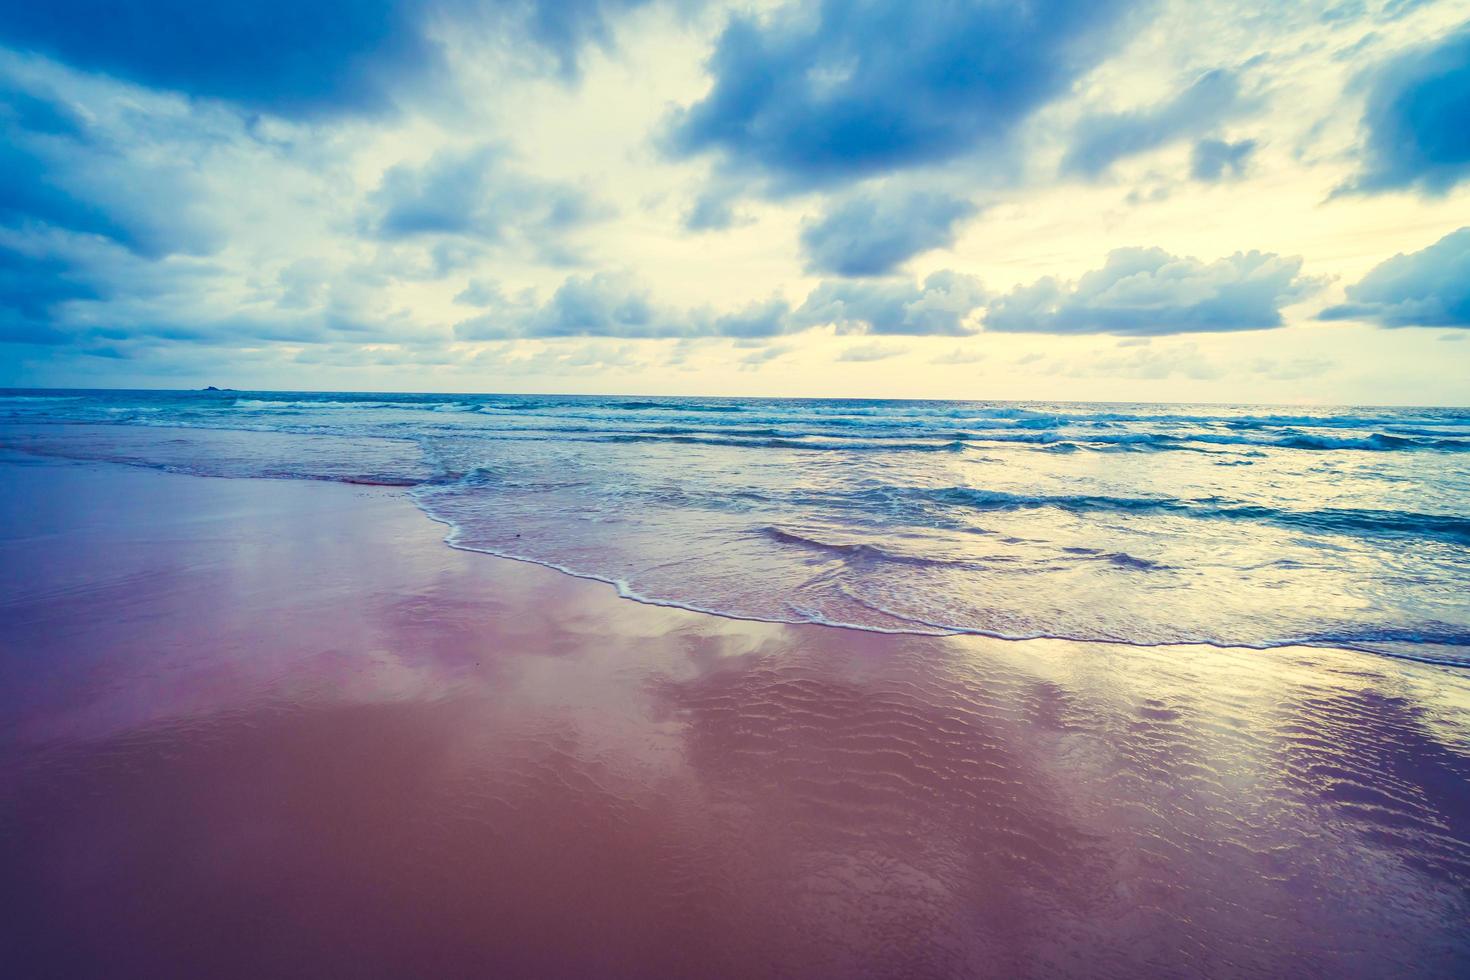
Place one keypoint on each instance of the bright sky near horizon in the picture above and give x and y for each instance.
(1082, 199)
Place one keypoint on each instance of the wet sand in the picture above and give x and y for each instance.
(257, 728)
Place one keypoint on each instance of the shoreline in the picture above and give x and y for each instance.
(288, 706)
(625, 591)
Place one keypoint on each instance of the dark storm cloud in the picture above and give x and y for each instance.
(56, 173)
(1416, 124)
(1428, 288)
(31, 288)
(872, 234)
(1148, 292)
(294, 58)
(31, 193)
(819, 96)
(1100, 141)
(74, 211)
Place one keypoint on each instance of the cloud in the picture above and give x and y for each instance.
(95, 205)
(759, 320)
(608, 304)
(1213, 160)
(477, 194)
(383, 354)
(603, 305)
(1153, 364)
(599, 305)
(300, 60)
(814, 97)
(1428, 288)
(1102, 140)
(1414, 123)
(31, 288)
(559, 358)
(60, 170)
(757, 359)
(871, 234)
(1148, 292)
(1293, 369)
(290, 58)
(940, 306)
(959, 356)
(95, 298)
(31, 192)
(862, 353)
(39, 141)
(478, 292)
(714, 210)
(563, 28)
(37, 113)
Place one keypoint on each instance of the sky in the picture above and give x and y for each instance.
(1049, 199)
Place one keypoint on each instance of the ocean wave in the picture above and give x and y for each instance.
(952, 446)
(902, 426)
(258, 403)
(1119, 558)
(780, 509)
(868, 552)
(309, 404)
(24, 399)
(1349, 521)
(1407, 643)
(1377, 442)
(639, 406)
(1434, 634)
(862, 551)
(1447, 417)
(633, 406)
(773, 432)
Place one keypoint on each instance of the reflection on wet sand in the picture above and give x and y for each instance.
(262, 728)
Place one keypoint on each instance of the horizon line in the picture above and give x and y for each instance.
(827, 398)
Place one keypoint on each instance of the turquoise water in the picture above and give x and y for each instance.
(1146, 524)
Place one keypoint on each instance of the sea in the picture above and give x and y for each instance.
(1144, 524)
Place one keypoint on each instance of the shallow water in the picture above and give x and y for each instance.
(1142, 524)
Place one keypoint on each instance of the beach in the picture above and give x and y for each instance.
(684, 490)
(266, 727)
